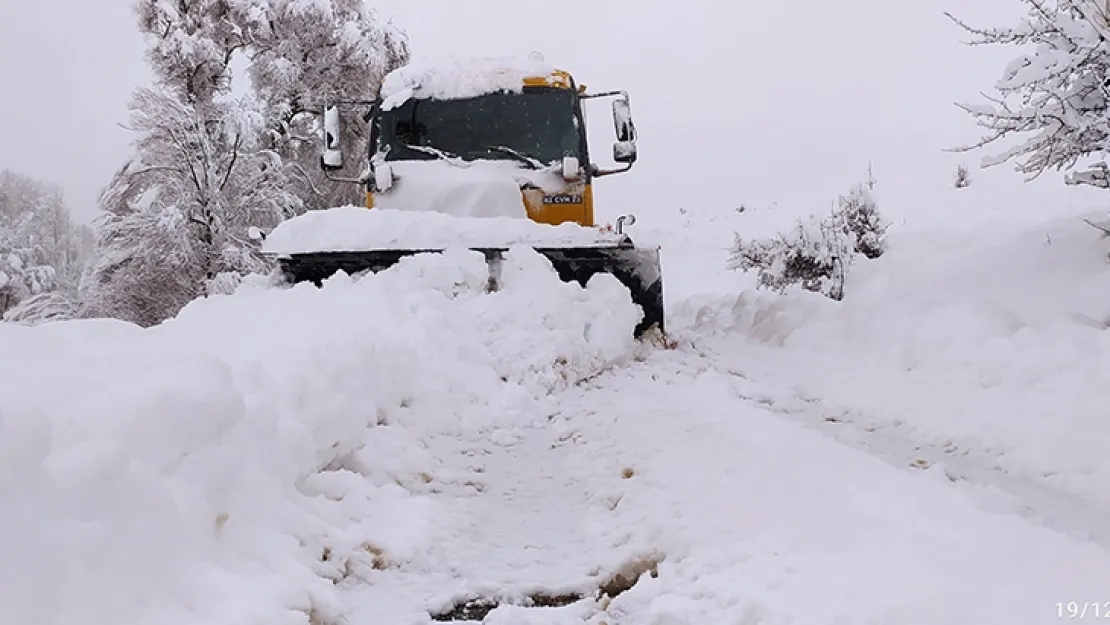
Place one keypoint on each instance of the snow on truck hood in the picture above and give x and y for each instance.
(460, 188)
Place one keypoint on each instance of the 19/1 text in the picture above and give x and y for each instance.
(1083, 609)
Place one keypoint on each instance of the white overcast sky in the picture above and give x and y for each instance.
(66, 70)
(765, 95)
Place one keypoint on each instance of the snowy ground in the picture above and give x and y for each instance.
(932, 450)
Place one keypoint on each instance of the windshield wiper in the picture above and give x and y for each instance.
(449, 157)
(531, 161)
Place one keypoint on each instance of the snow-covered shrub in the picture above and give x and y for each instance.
(817, 253)
(20, 278)
(860, 215)
(42, 308)
(814, 254)
(962, 179)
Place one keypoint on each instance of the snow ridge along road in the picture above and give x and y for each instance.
(970, 467)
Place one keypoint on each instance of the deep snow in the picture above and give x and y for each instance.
(974, 348)
(194, 472)
(382, 449)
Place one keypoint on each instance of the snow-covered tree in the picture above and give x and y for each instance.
(301, 54)
(305, 53)
(1055, 95)
(40, 246)
(191, 43)
(206, 168)
(179, 212)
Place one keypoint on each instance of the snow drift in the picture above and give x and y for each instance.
(991, 338)
(230, 464)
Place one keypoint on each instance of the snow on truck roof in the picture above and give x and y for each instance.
(451, 79)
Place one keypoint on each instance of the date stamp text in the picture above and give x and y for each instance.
(1078, 610)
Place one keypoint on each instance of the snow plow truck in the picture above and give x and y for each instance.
(500, 146)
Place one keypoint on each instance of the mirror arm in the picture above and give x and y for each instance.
(363, 179)
(598, 172)
(603, 94)
(328, 175)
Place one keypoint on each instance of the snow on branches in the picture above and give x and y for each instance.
(1056, 95)
(179, 212)
(300, 54)
(818, 252)
(814, 254)
(307, 52)
(207, 168)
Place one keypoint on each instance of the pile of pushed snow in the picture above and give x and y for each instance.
(351, 228)
(993, 338)
(230, 464)
(446, 79)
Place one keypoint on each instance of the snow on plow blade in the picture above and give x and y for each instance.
(638, 269)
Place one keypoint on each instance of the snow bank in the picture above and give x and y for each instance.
(353, 228)
(231, 464)
(988, 339)
(447, 79)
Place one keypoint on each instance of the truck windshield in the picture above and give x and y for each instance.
(537, 125)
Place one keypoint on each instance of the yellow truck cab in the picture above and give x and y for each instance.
(527, 113)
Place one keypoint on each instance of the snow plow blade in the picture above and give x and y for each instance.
(638, 269)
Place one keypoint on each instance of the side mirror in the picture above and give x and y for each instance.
(622, 120)
(256, 234)
(332, 158)
(624, 152)
(572, 170)
(383, 177)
